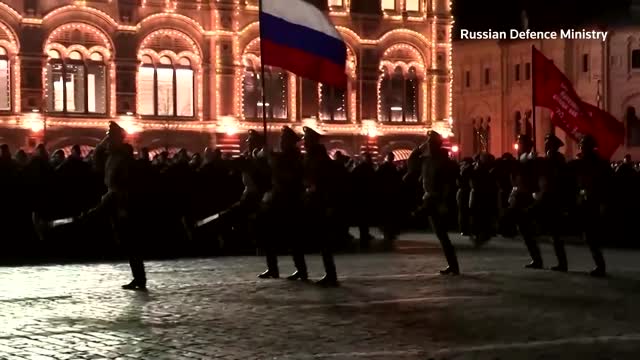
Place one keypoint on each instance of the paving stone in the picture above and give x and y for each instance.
(390, 306)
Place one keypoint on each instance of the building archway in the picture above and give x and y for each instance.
(169, 77)
(402, 88)
(79, 77)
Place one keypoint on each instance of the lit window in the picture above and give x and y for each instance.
(388, 4)
(75, 84)
(336, 3)
(412, 5)
(333, 103)
(399, 96)
(166, 88)
(276, 83)
(5, 81)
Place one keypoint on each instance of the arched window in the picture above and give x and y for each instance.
(277, 93)
(5, 80)
(333, 103)
(399, 92)
(76, 83)
(166, 87)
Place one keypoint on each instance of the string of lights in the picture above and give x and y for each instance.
(243, 38)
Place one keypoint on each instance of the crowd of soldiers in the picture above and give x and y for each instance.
(287, 200)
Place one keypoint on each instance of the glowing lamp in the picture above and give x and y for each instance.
(516, 146)
(455, 149)
(36, 126)
(228, 125)
(129, 126)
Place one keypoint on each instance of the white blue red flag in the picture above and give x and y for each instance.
(298, 37)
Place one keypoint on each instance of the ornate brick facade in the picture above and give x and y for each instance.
(184, 73)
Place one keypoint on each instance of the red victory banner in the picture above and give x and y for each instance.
(552, 90)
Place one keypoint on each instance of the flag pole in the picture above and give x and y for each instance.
(262, 78)
(533, 100)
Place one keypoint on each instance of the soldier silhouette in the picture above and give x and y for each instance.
(431, 163)
(551, 200)
(123, 202)
(283, 204)
(593, 176)
(319, 201)
(524, 181)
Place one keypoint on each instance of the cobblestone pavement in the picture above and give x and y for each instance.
(390, 306)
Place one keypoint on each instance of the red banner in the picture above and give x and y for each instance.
(552, 90)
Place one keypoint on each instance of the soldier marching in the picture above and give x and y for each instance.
(295, 203)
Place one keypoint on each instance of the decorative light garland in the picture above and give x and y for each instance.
(351, 97)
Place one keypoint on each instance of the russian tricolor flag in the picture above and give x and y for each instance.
(298, 37)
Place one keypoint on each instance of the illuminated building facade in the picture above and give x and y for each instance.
(492, 86)
(187, 74)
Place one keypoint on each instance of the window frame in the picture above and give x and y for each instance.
(268, 73)
(332, 107)
(385, 113)
(174, 66)
(84, 61)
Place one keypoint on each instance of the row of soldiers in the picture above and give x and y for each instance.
(285, 194)
(291, 198)
(533, 192)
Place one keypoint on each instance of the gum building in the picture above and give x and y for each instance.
(187, 74)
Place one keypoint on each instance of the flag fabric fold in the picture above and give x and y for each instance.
(553, 90)
(298, 37)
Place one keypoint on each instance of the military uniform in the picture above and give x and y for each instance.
(123, 203)
(521, 200)
(282, 206)
(438, 174)
(593, 177)
(319, 201)
(551, 199)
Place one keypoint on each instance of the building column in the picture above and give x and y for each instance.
(226, 80)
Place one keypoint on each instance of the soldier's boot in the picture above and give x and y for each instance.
(596, 253)
(139, 275)
(136, 285)
(301, 268)
(331, 277)
(561, 254)
(598, 258)
(272, 268)
(449, 254)
(534, 252)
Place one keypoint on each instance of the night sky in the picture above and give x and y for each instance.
(543, 14)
